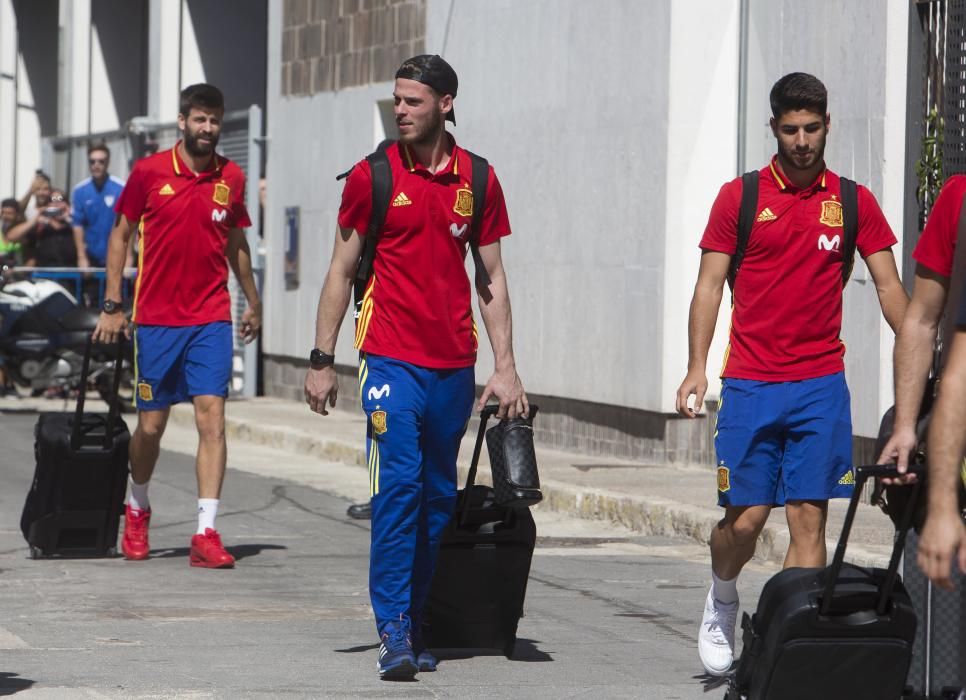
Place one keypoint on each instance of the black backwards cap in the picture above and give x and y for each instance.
(434, 72)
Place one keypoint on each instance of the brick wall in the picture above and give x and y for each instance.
(334, 44)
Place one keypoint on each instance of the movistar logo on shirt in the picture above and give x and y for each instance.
(401, 200)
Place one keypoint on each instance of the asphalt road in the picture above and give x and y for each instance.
(608, 614)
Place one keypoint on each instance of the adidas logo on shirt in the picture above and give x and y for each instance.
(401, 200)
(166, 190)
(766, 215)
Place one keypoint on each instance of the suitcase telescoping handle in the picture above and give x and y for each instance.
(862, 474)
(112, 414)
(485, 415)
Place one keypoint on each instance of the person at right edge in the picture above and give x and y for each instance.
(943, 532)
(784, 431)
(418, 344)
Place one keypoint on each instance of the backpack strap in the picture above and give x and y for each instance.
(480, 173)
(850, 226)
(381, 192)
(746, 219)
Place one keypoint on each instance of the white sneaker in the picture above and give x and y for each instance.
(716, 638)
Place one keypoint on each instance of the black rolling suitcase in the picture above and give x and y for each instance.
(839, 633)
(476, 598)
(74, 504)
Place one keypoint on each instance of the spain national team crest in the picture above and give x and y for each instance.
(831, 213)
(379, 422)
(144, 391)
(724, 478)
(222, 193)
(464, 202)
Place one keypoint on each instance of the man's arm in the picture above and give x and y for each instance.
(22, 229)
(944, 532)
(701, 321)
(322, 384)
(504, 384)
(240, 258)
(912, 357)
(892, 295)
(81, 246)
(109, 326)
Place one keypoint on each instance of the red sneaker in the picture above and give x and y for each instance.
(134, 543)
(208, 552)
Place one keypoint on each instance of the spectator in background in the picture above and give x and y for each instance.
(93, 212)
(40, 192)
(11, 253)
(49, 236)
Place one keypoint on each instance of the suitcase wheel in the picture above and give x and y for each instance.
(35, 552)
(508, 648)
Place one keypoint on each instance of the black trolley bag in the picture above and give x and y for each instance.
(74, 504)
(842, 632)
(476, 598)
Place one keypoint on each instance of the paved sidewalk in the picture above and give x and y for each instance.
(652, 499)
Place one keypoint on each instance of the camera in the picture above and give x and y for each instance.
(52, 212)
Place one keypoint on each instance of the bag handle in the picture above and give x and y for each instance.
(485, 414)
(862, 474)
(114, 409)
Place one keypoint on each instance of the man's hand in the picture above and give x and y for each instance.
(506, 387)
(943, 537)
(321, 386)
(900, 447)
(110, 327)
(251, 322)
(695, 383)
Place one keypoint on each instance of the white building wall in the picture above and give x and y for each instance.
(612, 127)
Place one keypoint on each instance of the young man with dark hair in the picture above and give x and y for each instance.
(93, 215)
(418, 341)
(784, 432)
(190, 202)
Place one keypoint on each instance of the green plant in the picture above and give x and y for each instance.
(929, 167)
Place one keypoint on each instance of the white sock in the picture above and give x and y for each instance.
(725, 592)
(207, 510)
(138, 498)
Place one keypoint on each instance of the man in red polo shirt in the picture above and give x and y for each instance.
(188, 205)
(784, 432)
(934, 255)
(418, 343)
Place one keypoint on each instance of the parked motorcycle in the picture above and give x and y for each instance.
(43, 334)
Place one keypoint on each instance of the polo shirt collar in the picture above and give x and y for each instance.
(785, 185)
(412, 165)
(214, 165)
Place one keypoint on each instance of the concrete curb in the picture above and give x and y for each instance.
(649, 516)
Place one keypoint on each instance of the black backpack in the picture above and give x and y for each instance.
(381, 195)
(749, 209)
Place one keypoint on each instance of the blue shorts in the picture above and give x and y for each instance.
(175, 363)
(784, 441)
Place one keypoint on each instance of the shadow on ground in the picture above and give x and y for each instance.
(11, 683)
(239, 551)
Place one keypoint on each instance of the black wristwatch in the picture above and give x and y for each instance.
(110, 306)
(319, 359)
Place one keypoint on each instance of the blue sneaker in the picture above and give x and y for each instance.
(396, 659)
(426, 662)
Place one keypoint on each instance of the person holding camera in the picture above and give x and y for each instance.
(49, 236)
(419, 344)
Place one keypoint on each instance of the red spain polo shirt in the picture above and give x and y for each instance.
(183, 221)
(936, 247)
(417, 306)
(787, 313)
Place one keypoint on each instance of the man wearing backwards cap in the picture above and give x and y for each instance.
(418, 343)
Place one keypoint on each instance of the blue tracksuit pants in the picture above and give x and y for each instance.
(416, 419)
